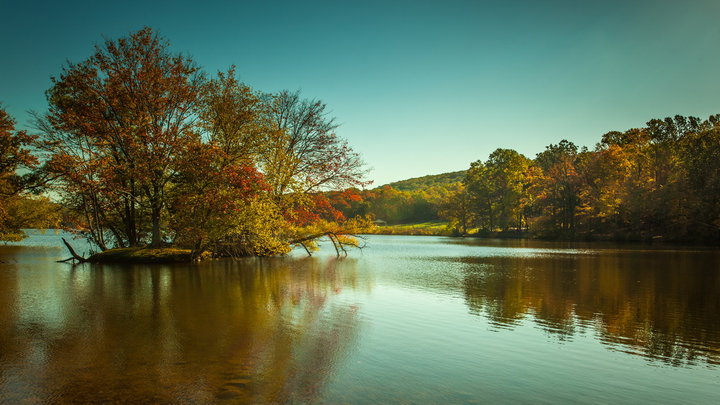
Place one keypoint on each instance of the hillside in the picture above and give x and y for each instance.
(424, 182)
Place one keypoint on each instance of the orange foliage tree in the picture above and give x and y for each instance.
(150, 151)
(117, 125)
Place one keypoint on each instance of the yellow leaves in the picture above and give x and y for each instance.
(348, 240)
(22, 212)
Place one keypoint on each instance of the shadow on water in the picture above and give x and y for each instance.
(254, 331)
(661, 305)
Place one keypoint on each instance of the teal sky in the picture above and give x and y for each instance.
(420, 87)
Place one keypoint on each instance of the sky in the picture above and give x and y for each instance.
(419, 87)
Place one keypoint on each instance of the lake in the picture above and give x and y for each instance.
(407, 320)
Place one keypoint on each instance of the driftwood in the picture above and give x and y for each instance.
(74, 256)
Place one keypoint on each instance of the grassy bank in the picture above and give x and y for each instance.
(438, 228)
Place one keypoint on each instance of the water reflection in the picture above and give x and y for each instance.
(388, 325)
(662, 305)
(256, 331)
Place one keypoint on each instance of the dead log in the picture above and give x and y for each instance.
(74, 255)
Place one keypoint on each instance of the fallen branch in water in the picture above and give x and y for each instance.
(337, 238)
(75, 256)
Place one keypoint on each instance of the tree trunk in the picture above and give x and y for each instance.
(131, 215)
(156, 237)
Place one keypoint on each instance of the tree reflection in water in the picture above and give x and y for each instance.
(661, 305)
(290, 330)
(256, 331)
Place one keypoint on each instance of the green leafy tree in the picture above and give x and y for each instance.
(497, 188)
(457, 209)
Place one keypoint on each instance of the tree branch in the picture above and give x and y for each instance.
(75, 256)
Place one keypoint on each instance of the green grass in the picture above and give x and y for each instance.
(421, 228)
(142, 255)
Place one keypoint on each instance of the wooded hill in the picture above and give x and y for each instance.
(431, 180)
(413, 200)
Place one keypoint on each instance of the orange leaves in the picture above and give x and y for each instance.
(316, 208)
(118, 130)
(14, 152)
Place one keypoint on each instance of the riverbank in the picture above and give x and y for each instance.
(433, 228)
(440, 228)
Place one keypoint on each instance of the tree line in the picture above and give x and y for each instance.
(661, 181)
(146, 149)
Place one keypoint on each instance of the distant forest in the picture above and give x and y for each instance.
(661, 181)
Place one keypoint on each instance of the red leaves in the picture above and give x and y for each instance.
(317, 208)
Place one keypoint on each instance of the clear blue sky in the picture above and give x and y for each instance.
(420, 87)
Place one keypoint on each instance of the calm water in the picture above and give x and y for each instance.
(408, 320)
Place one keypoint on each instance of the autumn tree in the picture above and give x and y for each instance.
(302, 156)
(507, 170)
(560, 185)
(150, 151)
(667, 195)
(479, 191)
(233, 118)
(457, 209)
(305, 154)
(117, 125)
(700, 153)
(219, 199)
(649, 178)
(603, 175)
(350, 202)
(15, 154)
